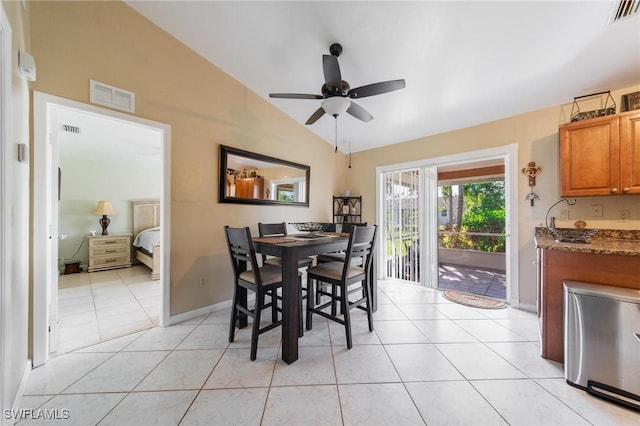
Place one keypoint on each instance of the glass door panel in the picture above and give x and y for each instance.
(401, 207)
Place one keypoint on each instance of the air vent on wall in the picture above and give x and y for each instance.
(111, 96)
(625, 8)
(70, 129)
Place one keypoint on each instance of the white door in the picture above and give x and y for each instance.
(52, 242)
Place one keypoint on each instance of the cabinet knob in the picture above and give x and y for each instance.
(614, 190)
(625, 189)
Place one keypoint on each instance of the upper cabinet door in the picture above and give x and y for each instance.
(630, 153)
(590, 157)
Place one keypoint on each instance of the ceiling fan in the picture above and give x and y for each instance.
(337, 95)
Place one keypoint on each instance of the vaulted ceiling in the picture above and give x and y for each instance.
(464, 63)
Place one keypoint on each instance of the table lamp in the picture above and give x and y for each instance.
(104, 208)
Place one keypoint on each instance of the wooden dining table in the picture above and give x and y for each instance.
(291, 248)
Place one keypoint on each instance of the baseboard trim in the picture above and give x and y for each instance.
(175, 319)
(17, 402)
(527, 307)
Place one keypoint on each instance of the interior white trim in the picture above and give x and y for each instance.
(205, 310)
(43, 106)
(509, 154)
(6, 202)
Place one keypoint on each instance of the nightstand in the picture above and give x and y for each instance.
(109, 252)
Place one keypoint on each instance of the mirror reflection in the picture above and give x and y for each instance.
(251, 178)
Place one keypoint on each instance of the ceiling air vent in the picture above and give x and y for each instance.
(70, 129)
(625, 8)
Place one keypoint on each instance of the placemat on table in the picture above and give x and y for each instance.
(275, 240)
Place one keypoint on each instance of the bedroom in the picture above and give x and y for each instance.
(104, 159)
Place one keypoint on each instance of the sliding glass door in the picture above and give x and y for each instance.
(401, 224)
(413, 211)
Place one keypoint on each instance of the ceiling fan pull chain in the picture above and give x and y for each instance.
(336, 150)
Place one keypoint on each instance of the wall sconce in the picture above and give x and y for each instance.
(104, 208)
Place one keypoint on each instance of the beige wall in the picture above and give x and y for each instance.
(536, 134)
(110, 42)
(18, 306)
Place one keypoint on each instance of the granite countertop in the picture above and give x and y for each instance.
(606, 241)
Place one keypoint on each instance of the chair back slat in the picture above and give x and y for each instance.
(272, 229)
(347, 227)
(361, 243)
(241, 249)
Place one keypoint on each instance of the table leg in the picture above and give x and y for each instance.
(290, 300)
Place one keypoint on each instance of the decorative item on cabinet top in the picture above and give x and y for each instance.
(609, 107)
(630, 101)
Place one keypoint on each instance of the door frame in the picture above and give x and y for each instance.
(44, 107)
(429, 168)
(6, 203)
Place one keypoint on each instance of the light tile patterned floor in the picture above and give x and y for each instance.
(427, 362)
(99, 306)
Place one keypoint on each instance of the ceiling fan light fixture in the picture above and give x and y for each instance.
(335, 105)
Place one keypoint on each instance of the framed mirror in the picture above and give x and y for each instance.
(250, 178)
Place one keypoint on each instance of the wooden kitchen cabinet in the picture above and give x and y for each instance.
(600, 156)
(250, 188)
(557, 266)
(109, 252)
(630, 153)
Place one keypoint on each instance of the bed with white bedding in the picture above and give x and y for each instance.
(146, 228)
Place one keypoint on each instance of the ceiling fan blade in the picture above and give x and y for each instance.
(315, 116)
(376, 88)
(294, 96)
(358, 112)
(331, 69)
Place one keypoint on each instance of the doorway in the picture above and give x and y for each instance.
(48, 113)
(408, 210)
(471, 229)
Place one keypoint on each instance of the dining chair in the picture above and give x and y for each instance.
(262, 280)
(340, 256)
(340, 276)
(336, 257)
(278, 230)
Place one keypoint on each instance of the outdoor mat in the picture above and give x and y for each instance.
(474, 300)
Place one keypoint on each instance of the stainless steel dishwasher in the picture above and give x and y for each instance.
(602, 341)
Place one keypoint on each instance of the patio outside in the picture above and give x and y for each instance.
(482, 282)
(471, 233)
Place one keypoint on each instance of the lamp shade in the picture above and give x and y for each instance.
(335, 105)
(104, 208)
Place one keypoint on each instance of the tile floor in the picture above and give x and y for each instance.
(429, 361)
(99, 306)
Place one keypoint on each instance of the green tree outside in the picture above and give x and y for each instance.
(483, 211)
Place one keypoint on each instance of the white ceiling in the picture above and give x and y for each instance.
(108, 140)
(464, 63)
